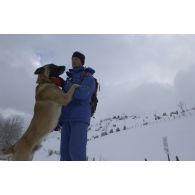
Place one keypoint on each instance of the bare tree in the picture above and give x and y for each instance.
(182, 107)
(10, 130)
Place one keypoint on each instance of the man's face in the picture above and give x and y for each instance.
(76, 62)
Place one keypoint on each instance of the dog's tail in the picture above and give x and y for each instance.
(7, 152)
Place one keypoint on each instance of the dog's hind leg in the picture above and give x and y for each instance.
(22, 153)
(22, 156)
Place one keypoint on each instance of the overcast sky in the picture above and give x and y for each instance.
(137, 73)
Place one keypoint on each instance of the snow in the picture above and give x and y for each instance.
(142, 138)
(50, 148)
(146, 142)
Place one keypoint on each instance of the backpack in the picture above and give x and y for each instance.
(94, 99)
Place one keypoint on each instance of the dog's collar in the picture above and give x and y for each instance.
(44, 82)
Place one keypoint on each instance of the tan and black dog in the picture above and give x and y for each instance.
(49, 100)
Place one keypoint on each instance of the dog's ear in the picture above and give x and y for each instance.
(39, 70)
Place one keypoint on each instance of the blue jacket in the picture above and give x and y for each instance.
(79, 109)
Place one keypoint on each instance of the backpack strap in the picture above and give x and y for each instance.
(94, 99)
(85, 74)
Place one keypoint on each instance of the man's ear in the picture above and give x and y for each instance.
(39, 70)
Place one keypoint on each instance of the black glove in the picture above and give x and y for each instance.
(63, 82)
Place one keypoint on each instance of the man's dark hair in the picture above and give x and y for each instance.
(80, 56)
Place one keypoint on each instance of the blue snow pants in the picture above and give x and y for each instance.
(73, 141)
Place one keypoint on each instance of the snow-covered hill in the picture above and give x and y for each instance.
(50, 148)
(134, 137)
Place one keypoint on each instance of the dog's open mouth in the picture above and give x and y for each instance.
(55, 71)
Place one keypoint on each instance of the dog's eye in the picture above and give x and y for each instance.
(39, 70)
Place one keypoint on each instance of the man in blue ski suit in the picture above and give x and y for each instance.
(75, 117)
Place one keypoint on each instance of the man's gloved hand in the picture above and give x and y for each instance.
(58, 127)
(60, 82)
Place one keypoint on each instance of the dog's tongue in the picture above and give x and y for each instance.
(56, 81)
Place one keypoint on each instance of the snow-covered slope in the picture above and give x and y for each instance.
(146, 142)
(135, 137)
(50, 148)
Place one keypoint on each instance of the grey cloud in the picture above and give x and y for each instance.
(136, 72)
(152, 97)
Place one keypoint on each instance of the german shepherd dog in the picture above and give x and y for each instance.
(49, 100)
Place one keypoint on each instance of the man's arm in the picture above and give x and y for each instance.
(86, 89)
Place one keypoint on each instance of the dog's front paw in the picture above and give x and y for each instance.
(76, 86)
